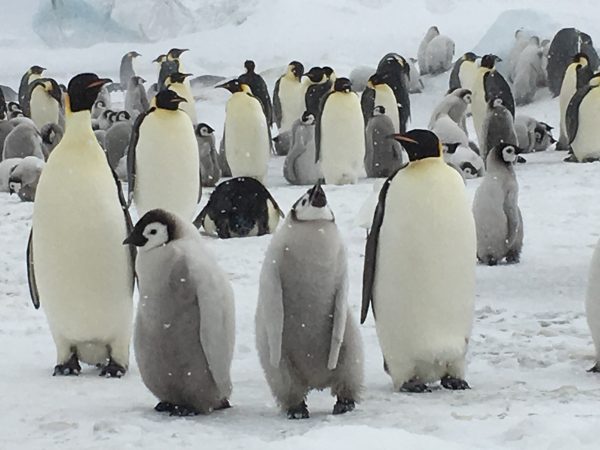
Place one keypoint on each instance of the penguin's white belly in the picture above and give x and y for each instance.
(44, 109)
(167, 165)
(587, 141)
(342, 139)
(291, 97)
(247, 144)
(82, 269)
(189, 106)
(425, 278)
(592, 301)
(478, 107)
(467, 74)
(490, 220)
(567, 90)
(384, 96)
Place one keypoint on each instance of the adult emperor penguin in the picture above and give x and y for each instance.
(88, 301)
(136, 101)
(383, 154)
(247, 138)
(170, 63)
(464, 72)
(378, 93)
(592, 305)
(185, 321)
(432, 32)
(577, 75)
(162, 160)
(258, 87)
(582, 122)
(498, 127)
(305, 334)
(395, 72)
(33, 73)
(288, 97)
(339, 135)
(300, 167)
(126, 71)
(489, 84)
(320, 85)
(44, 103)
(209, 158)
(177, 82)
(419, 273)
(455, 105)
(498, 220)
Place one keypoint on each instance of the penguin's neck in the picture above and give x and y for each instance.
(78, 126)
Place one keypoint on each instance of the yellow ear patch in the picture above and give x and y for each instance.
(246, 88)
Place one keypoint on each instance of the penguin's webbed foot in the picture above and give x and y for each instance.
(595, 369)
(113, 370)
(343, 405)
(491, 261)
(454, 384)
(224, 404)
(415, 386)
(71, 367)
(183, 411)
(513, 257)
(571, 159)
(298, 412)
(164, 407)
(521, 160)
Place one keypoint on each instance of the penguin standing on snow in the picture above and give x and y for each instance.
(340, 136)
(320, 86)
(178, 82)
(288, 103)
(383, 154)
(498, 127)
(300, 167)
(44, 103)
(419, 273)
(528, 71)
(126, 70)
(207, 151)
(185, 321)
(33, 73)
(439, 54)
(259, 89)
(592, 305)
(169, 63)
(305, 333)
(395, 72)
(496, 210)
(582, 122)
(87, 300)
(162, 161)
(246, 138)
(455, 105)
(432, 32)
(378, 93)
(136, 101)
(464, 72)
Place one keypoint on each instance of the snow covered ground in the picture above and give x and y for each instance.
(530, 346)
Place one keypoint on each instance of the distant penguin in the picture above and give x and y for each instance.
(51, 134)
(24, 140)
(339, 135)
(498, 127)
(566, 43)
(176, 82)
(6, 167)
(522, 40)
(259, 89)
(432, 32)
(162, 160)
(44, 103)
(305, 333)
(185, 321)
(3, 107)
(25, 177)
(439, 55)
(105, 97)
(592, 305)
(464, 72)
(33, 73)
(88, 300)
(6, 127)
(247, 138)
(319, 86)
(98, 108)
(378, 93)
(496, 210)
(383, 154)
(582, 121)
(170, 63)
(136, 101)
(528, 72)
(288, 97)
(207, 152)
(533, 136)
(395, 72)
(300, 167)
(419, 270)
(116, 142)
(416, 84)
(8, 93)
(455, 105)
(126, 71)
(240, 207)
(360, 76)
(577, 76)
(489, 84)
(464, 159)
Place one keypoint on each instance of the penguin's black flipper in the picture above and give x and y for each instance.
(277, 113)
(496, 87)
(454, 78)
(133, 141)
(33, 291)
(367, 103)
(318, 127)
(583, 75)
(572, 115)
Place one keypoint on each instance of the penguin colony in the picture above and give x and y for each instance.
(419, 282)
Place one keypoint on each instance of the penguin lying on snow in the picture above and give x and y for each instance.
(464, 159)
(305, 333)
(533, 136)
(185, 324)
(240, 207)
(24, 178)
(495, 207)
(6, 167)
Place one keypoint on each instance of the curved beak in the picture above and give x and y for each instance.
(99, 82)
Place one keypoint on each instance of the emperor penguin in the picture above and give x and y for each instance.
(240, 207)
(87, 300)
(288, 97)
(300, 167)
(498, 127)
(395, 72)
(582, 122)
(464, 72)
(185, 321)
(6, 167)
(383, 154)
(136, 101)
(592, 305)
(528, 71)
(378, 93)
(51, 134)
(489, 84)
(176, 82)
(498, 220)
(533, 136)
(339, 135)
(3, 108)
(319, 86)
(207, 152)
(98, 108)
(162, 160)
(33, 73)
(432, 32)
(464, 159)
(24, 140)
(419, 272)
(126, 70)
(44, 103)
(170, 63)
(25, 177)
(247, 139)
(448, 131)
(521, 41)
(455, 105)
(416, 85)
(577, 75)
(439, 54)
(259, 89)
(305, 333)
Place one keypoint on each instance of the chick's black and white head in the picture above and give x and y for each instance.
(83, 90)
(466, 95)
(312, 206)
(379, 110)
(308, 118)
(204, 130)
(420, 144)
(155, 229)
(508, 153)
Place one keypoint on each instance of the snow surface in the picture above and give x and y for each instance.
(530, 346)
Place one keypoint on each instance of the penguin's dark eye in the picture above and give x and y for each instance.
(153, 231)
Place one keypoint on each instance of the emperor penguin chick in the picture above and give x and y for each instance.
(497, 215)
(305, 333)
(498, 127)
(300, 167)
(207, 151)
(383, 155)
(185, 322)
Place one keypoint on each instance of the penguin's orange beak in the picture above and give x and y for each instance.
(402, 138)
(98, 82)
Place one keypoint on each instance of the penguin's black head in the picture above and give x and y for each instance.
(579, 56)
(36, 70)
(379, 110)
(155, 229)
(420, 144)
(50, 86)
(342, 85)
(177, 77)
(450, 148)
(249, 66)
(470, 56)
(376, 79)
(203, 130)
(232, 86)
(160, 59)
(308, 118)
(175, 53)
(297, 69)
(489, 61)
(168, 99)
(315, 74)
(3, 108)
(328, 71)
(83, 90)
(133, 54)
(312, 206)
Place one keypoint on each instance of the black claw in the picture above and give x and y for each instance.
(71, 367)
(183, 411)
(113, 370)
(164, 407)
(454, 384)
(343, 405)
(415, 386)
(298, 412)
(595, 369)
